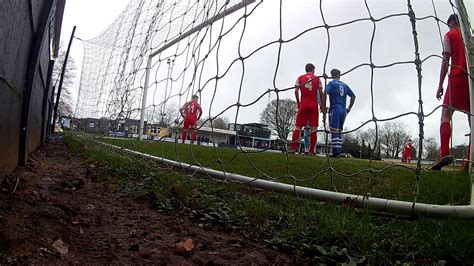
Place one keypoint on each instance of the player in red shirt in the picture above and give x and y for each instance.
(406, 158)
(310, 86)
(191, 112)
(457, 93)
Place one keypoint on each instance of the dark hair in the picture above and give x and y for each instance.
(195, 96)
(309, 67)
(335, 73)
(454, 18)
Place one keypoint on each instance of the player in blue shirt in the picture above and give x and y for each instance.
(338, 92)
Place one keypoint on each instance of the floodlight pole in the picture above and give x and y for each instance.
(469, 46)
(188, 33)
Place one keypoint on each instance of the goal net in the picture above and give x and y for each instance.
(241, 58)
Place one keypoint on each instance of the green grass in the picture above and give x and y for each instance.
(316, 231)
(445, 187)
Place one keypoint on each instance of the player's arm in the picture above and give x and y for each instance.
(352, 101)
(199, 112)
(444, 66)
(322, 96)
(182, 110)
(297, 92)
(442, 74)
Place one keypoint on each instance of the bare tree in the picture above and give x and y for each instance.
(151, 115)
(168, 114)
(65, 102)
(280, 117)
(220, 122)
(393, 136)
(368, 147)
(163, 116)
(431, 148)
(217, 122)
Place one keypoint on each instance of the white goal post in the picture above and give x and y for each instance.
(468, 40)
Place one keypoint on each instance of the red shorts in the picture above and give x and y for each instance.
(189, 121)
(457, 94)
(305, 115)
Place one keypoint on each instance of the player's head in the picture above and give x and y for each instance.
(409, 140)
(195, 97)
(309, 68)
(335, 73)
(453, 21)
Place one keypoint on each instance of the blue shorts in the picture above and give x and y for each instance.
(337, 116)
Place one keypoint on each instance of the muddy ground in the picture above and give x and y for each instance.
(58, 213)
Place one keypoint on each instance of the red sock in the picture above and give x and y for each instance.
(445, 135)
(184, 135)
(295, 138)
(193, 136)
(312, 142)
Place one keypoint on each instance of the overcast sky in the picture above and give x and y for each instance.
(395, 89)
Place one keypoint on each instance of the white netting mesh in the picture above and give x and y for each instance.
(389, 52)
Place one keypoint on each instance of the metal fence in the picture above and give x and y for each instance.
(29, 40)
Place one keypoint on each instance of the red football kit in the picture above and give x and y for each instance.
(307, 88)
(407, 152)
(457, 93)
(309, 85)
(191, 111)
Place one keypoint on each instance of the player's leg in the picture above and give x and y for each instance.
(184, 135)
(336, 142)
(334, 124)
(445, 132)
(306, 134)
(342, 119)
(332, 121)
(313, 124)
(192, 126)
(193, 134)
(313, 139)
(300, 117)
(456, 97)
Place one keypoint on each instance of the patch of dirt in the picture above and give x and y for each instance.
(59, 214)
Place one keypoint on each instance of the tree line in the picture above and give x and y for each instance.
(280, 116)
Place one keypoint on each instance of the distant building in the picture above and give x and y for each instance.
(253, 135)
(155, 131)
(215, 135)
(91, 125)
(128, 127)
(118, 128)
